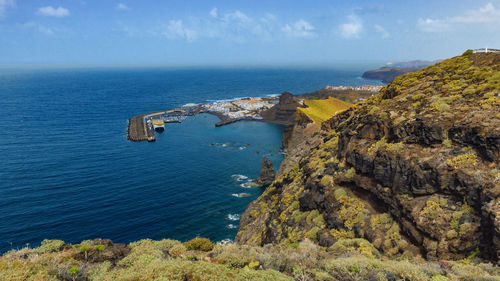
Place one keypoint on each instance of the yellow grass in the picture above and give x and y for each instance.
(321, 110)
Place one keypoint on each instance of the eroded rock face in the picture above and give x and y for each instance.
(414, 170)
(283, 112)
(266, 176)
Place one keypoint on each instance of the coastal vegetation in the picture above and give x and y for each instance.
(402, 186)
(412, 170)
(321, 110)
(148, 260)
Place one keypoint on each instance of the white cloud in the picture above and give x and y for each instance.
(431, 25)
(50, 11)
(484, 15)
(176, 30)
(122, 7)
(38, 27)
(301, 28)
(233, 26)
(213, 12)
(383, 33)
(4, 5)
(352, 28)
(236, 16)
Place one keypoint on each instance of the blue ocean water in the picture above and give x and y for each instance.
(67, 170)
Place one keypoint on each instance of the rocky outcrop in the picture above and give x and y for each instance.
(414, 170)
(266, 176)
(283, 112)
(387, 74)
(298, 141)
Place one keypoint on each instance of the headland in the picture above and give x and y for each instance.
(273, 109)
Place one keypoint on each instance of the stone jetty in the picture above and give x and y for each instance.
(137, 130)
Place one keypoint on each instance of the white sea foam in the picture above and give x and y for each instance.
(240, 195)
(242, 147)
(231, 226)
(239, 177)
(190, 104)
(225, 144)
(225, 241)
(249, 184)
(231, 99)
(233, 217)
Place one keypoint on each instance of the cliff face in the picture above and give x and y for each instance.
(387, 74)
(284, 112)
(414, 170)
(266, 176)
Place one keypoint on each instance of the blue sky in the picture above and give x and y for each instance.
(220, 32)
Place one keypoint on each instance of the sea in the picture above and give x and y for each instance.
(67, 170)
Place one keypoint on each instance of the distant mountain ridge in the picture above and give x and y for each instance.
(391, 70)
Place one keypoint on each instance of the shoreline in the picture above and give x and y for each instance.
(247, 109)
(140, 127)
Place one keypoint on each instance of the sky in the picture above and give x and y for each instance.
(232, 32)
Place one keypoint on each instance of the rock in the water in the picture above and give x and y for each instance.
(266, 176)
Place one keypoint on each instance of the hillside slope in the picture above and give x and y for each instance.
(414, 170)
(321, 110)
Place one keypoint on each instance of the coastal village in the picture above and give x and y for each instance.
(143, 127)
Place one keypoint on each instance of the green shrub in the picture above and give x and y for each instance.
(199, 244)
(467, 160)
(468, 52)
(177, 250)
(100, 248)
(350, 173)
(49, 246)
(353, 246)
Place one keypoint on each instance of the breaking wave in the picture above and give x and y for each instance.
(241, 195)
(239, 177)
(233, 217)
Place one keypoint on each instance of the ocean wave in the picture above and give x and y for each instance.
(249, 184)
(241, 195)
(233, 217)
(238, 177)
(273, 95)
(190, 104)
(225, 241)
(242, 147)
(232, 226)
(223, 144)
(230, 99)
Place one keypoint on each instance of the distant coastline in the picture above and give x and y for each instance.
(141, 127)
(390, 71)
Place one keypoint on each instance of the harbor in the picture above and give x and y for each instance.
(143, 127)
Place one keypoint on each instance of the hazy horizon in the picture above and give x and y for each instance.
(237, 33)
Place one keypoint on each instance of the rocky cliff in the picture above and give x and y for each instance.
(387, 74)
(283, 112)
(414, 170)
(266, 176)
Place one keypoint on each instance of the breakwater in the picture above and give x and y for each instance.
(137, 130)
(141, 127)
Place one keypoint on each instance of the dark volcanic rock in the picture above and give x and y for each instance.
(283, 112)
(414, 170)
(387, 74)
(266, 176)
